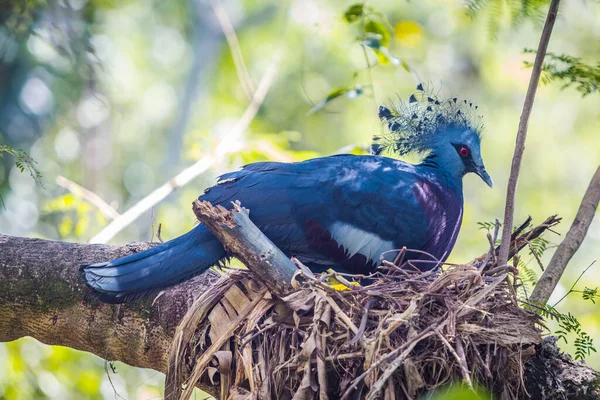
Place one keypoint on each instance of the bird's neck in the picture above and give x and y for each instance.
(447, 174)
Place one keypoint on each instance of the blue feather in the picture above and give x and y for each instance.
(342, 211)
(151, 270)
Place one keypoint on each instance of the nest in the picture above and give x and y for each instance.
(401, 336)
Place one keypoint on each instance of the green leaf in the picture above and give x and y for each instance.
(371, 40)
(355, 12)
(377, 37)
(570, 70)
(373, 28)
(350, 92)
(385, 57)
(23, 162)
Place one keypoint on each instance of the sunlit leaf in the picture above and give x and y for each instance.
(377, 29)
(66, 226)
(408, 33)
(377, 37)
(349, 92)
(81, 225)
(372, 40)
(355, 12)
(23, 162)
(385, 57)
(405, 66)
(570, 70)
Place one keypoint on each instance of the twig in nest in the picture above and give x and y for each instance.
(158, 233)
(363, 323)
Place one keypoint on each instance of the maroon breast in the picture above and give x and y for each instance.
(443, 208)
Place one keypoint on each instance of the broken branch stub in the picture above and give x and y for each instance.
(242, 239)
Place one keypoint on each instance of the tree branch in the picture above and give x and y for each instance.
(88, 196)
(42, 296)
(513, 179)
(227, 145)
(545, 286)
(244, 240)
(234, 48)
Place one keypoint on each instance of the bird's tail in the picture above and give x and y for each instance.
(137, 275)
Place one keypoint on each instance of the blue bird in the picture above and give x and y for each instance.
(340, 212)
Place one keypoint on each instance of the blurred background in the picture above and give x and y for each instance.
(119, 97)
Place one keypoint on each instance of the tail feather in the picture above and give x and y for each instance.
(141, 274)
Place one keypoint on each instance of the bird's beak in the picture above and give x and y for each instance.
(484, 175)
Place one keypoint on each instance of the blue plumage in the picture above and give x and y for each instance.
(338, 212)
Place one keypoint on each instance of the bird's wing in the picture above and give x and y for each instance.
(333, 210)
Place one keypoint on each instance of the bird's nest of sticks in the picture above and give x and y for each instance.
(403, 335)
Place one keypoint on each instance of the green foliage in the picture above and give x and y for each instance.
(349, 92)
(75, 215)
(356, 12)
(23, 162)
(571, 71)
(375, 33)
(527, 275)
(568, 324)
(19, 16)
(590, 294)
(501, 13)
(39, 371)
(488, 225)
(538, 246)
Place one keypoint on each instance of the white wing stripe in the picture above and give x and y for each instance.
(357, 241)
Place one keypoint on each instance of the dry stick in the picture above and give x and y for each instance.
(234, 48)
(410, 342)
(396, 363)
(89, 196)
(464, 370)
(522, 133)
(545, 286)
(246, 242)
(201, 166)
(202, 362)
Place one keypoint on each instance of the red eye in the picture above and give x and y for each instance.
(463, 151)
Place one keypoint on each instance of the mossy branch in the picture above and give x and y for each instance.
(42, 296)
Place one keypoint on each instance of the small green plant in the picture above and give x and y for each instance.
(488, 225)
(538, 246)
(570, 70)
(502, 13)
(528, 275)
(590, 294)
(23, 162)
(375, 35)
(568, 324)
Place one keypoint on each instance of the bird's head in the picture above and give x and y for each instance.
(446, 131)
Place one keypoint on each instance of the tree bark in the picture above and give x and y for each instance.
(243, 239)
(569, 246)
(42, 296)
